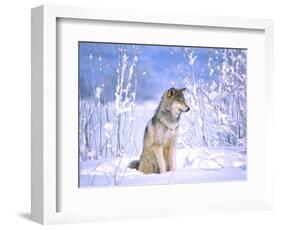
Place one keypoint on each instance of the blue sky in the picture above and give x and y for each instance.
(158, 67)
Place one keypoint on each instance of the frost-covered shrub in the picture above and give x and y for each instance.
(105, 126)
(218, 104)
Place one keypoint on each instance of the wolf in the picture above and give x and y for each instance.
(160, 136)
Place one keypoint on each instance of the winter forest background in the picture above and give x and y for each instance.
(120, 86)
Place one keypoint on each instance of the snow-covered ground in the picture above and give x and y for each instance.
(194, 165)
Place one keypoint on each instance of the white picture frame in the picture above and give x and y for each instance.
(46, 165)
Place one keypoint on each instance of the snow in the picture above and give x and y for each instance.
(98, 92)
(108, 129)
(191, 59)
(194, 165)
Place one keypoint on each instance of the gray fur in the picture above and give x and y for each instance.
(159, 144)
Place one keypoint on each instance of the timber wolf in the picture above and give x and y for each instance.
(160, 136)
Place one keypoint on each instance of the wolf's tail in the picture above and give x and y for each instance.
(134, 164)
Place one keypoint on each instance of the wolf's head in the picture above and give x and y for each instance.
(175, 101)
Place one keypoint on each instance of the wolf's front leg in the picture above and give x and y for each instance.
(158, 151)
(172, 157)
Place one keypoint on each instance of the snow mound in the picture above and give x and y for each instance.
(193, 165)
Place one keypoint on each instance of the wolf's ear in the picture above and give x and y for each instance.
(171, 92)
(183, 89)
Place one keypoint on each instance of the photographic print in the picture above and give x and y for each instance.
(161, 114)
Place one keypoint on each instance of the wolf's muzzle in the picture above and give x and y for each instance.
(187, 109)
